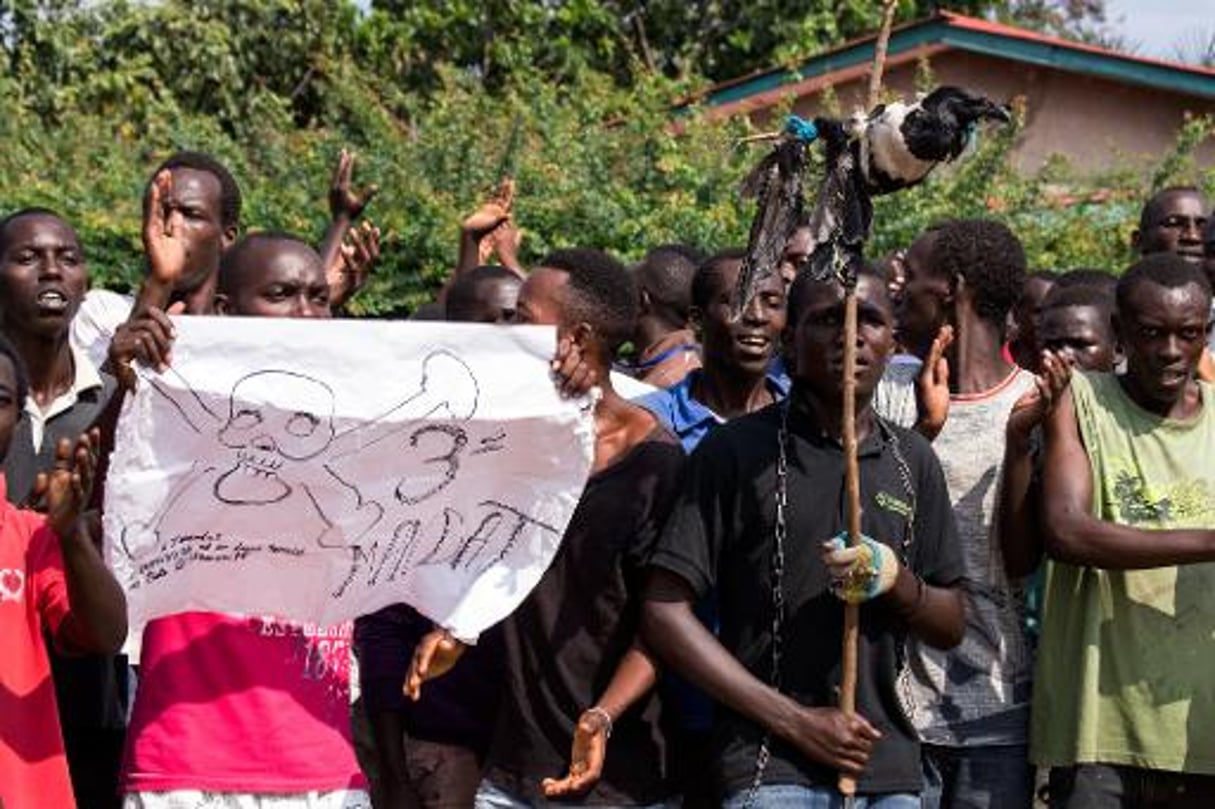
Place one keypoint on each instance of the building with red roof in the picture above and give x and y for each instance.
(1096, 107)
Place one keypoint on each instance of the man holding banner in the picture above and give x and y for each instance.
(244, 707)
(576, 672)
(257, 476)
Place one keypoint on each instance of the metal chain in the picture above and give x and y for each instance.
(904, 469)
(903, 681)
(780, 533)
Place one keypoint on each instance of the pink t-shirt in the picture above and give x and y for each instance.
(33, 595)
(246, 705)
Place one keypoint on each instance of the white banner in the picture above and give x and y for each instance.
(319, 471)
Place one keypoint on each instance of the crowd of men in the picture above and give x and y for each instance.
(1034, 578)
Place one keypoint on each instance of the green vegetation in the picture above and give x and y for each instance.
(438, 100)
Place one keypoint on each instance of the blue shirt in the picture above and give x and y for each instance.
(689, 419)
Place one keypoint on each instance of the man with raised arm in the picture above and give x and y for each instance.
(236, 711)
(205, 203)
(576, 672)
(1124, 706)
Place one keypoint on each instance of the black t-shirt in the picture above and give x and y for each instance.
(90, 690)
(721, 536)
(457, 708)
(564, 642)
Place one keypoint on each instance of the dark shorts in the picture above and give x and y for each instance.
(1108, 786)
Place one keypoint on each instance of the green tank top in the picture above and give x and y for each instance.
(1126, 660)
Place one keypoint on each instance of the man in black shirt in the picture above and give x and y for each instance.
(760, 498)
(575, 671)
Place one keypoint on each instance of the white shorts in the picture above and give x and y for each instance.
(200, 799)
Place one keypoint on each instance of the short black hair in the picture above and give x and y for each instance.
(1163, 269)
(666, 275)
(20, 374)
(706, 283)
(1147, 215)
(804, 282)
(1089, 277)
(991, 260)
(601, 292)
(463, 295)
(1062, 297)
(22, 214)
(229, 263)
(229, 191)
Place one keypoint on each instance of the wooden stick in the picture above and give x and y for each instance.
(852, 482)
(852, 474)
(879, 53)
(760, 137)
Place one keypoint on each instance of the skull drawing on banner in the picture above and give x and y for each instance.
(275, 419)
(278, 446)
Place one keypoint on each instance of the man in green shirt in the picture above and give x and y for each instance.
(1124, 700)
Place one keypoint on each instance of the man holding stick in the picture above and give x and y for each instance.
(751, 522)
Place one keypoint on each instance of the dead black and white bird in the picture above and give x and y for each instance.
(892, 148)
(899, 144)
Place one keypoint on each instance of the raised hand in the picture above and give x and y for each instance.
(586, 758)
(932, 386)
(164, 243)
(1035, 405)
(344, 200)
(503, 241)
(493, 212)
(352, 266)
(434, 656)
(67, 488)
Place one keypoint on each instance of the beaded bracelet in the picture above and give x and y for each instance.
(605, 716)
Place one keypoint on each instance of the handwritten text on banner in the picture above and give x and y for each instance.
(320, 471)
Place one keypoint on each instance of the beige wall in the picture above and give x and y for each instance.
(1096, 123)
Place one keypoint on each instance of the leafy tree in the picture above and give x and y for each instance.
(717, 39)
(92, 96)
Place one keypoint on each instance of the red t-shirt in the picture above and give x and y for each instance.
(244, 705)
(33, 596)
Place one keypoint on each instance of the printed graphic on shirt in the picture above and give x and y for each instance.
(895, 505)
(322, 652)
(1183, 501)
(12, 586)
